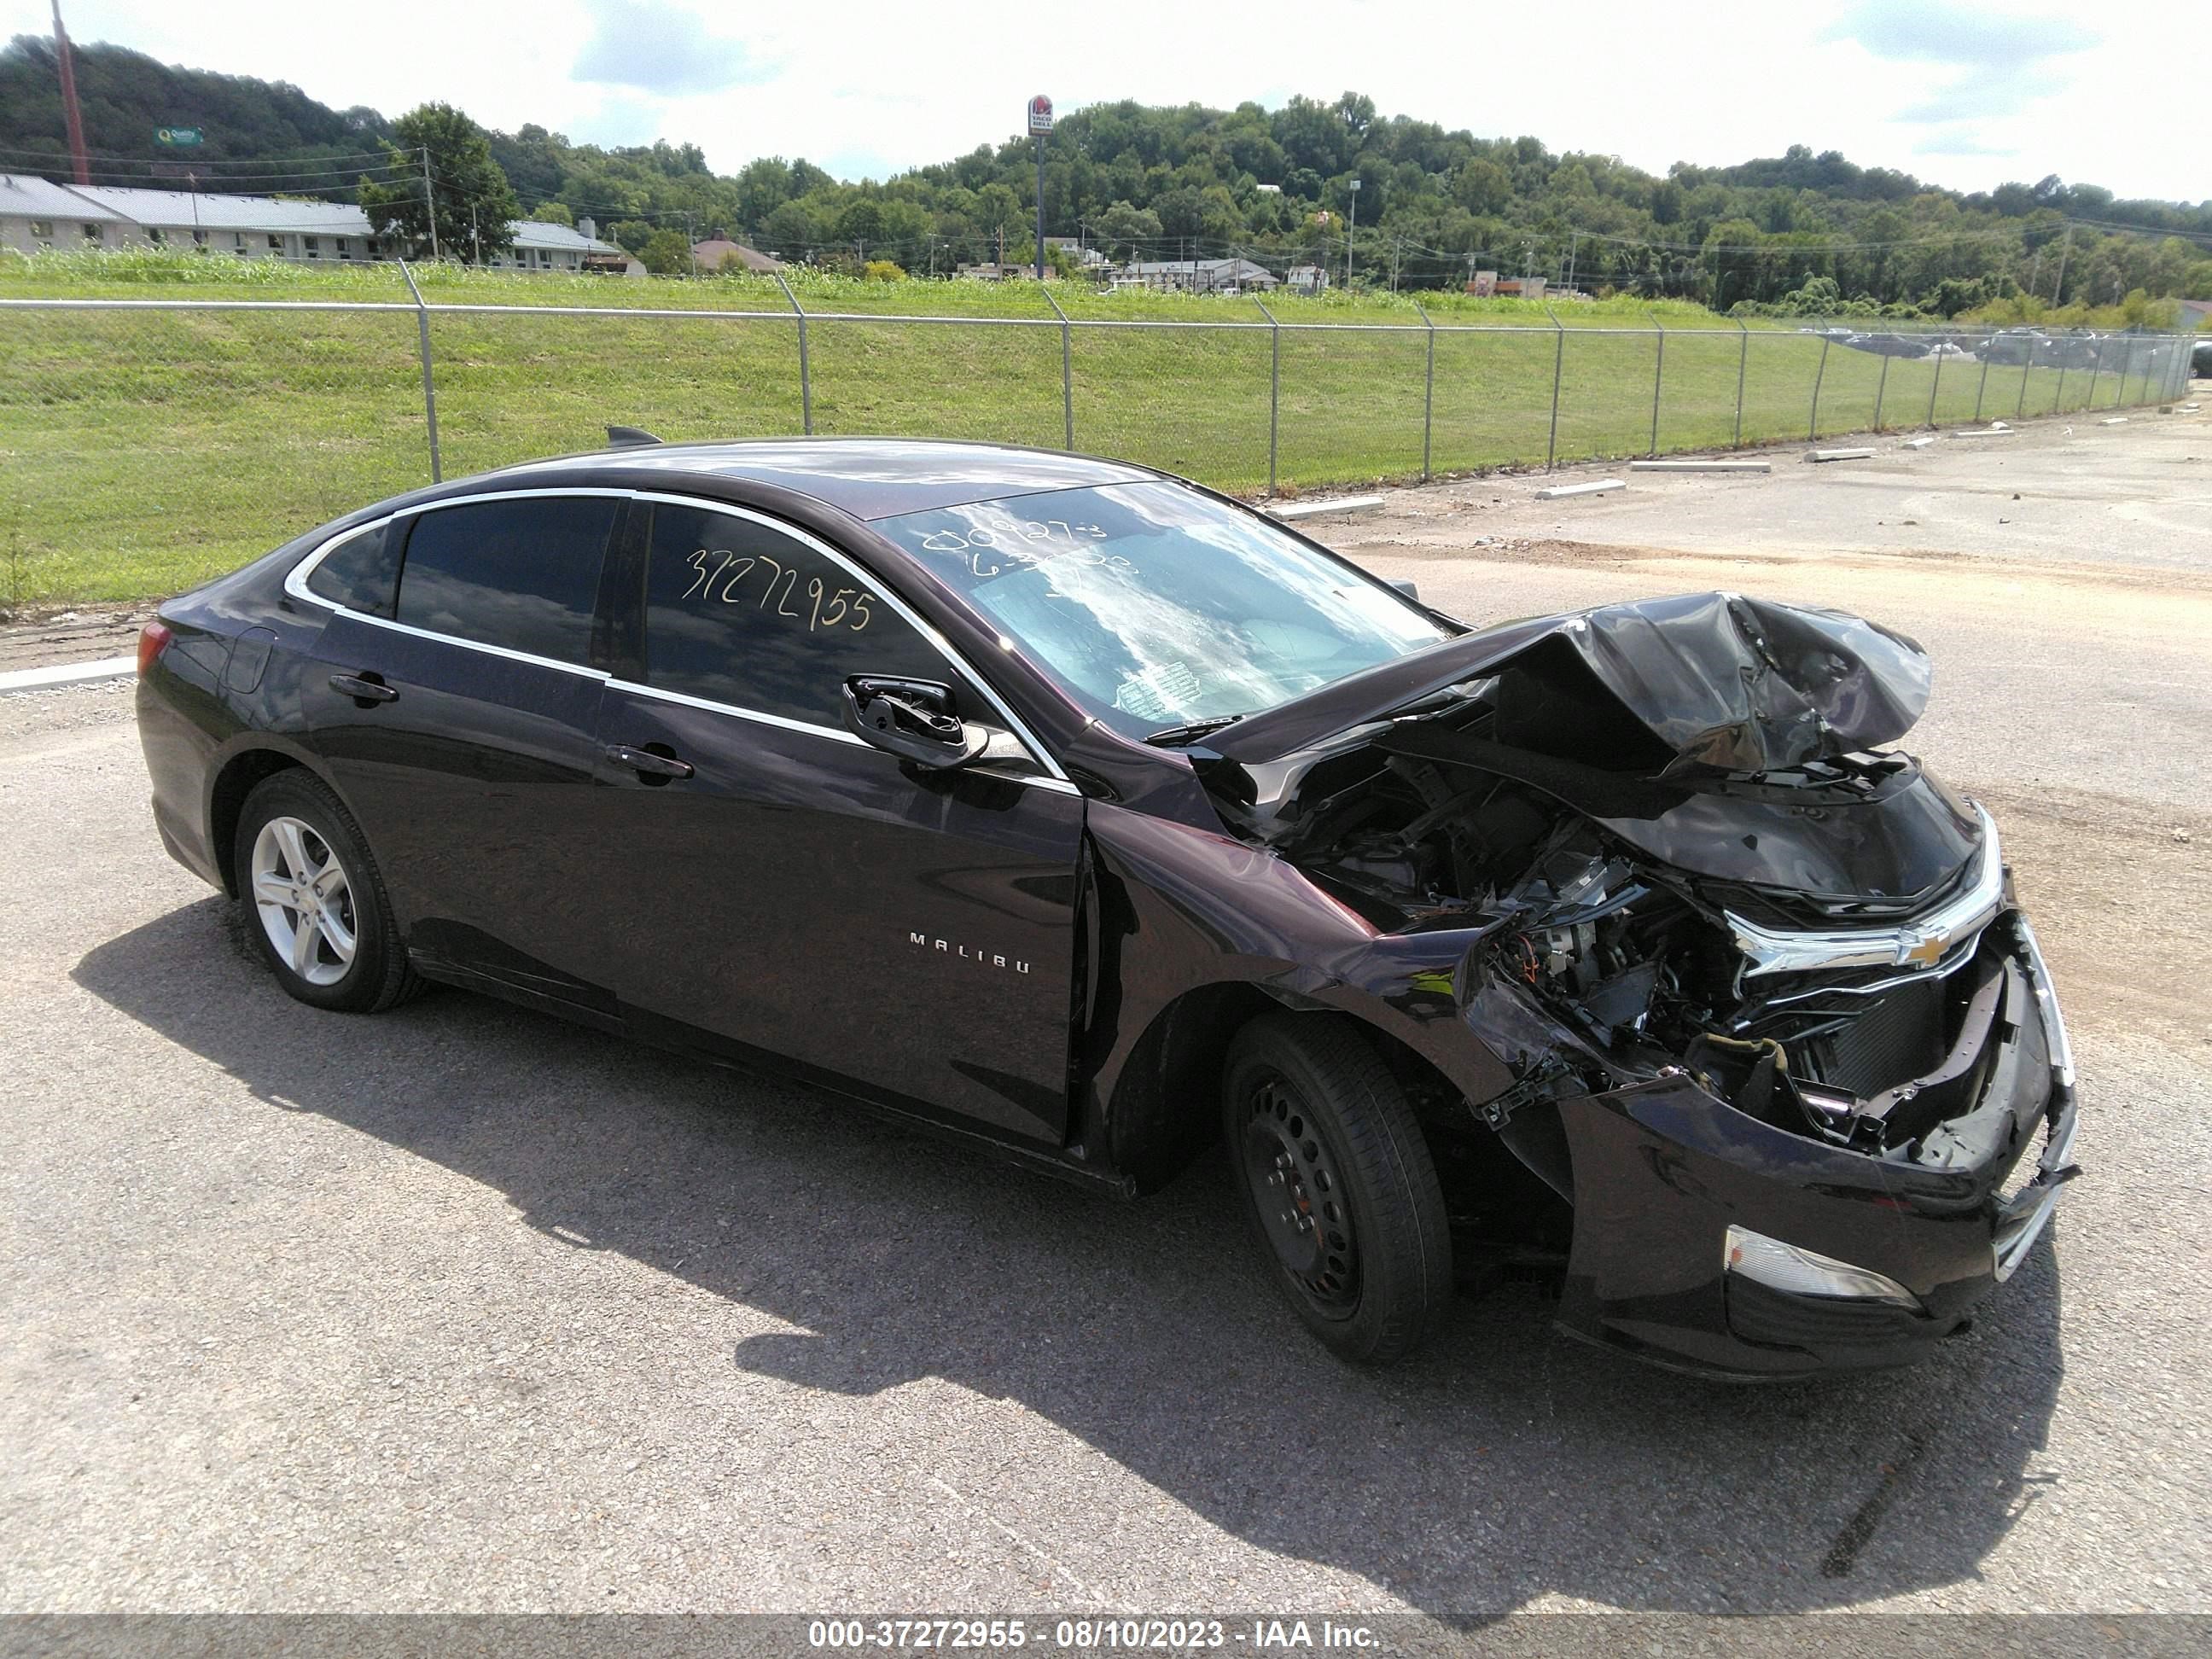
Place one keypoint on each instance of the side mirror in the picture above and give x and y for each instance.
(1405, 585)
(913, 720)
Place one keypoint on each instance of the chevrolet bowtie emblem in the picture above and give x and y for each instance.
(1926, 951)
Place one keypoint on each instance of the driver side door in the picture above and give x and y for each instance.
(776, 884)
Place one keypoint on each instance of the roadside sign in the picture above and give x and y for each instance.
(178, 135)
(1040, 116)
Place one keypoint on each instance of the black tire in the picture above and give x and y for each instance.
(1337, 1184)
(378, 975)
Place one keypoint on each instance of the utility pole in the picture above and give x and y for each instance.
(1351, 225)
(2065, 247)
(1574, 238)
(72, 117)
(430, 203)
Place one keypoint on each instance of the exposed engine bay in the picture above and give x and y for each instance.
(1676, 835)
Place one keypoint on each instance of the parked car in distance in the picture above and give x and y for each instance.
(2015, 345)
(2200, 357)
(1098, 818)
(1945, 349)
(1888, 345)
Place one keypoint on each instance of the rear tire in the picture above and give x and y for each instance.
(1337, 1185)
(314, 903)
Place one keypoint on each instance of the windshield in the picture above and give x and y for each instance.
(1157, 607)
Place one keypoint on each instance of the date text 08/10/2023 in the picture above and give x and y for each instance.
(1094, 1635)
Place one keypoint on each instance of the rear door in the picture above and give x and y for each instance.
(457, 703)
(794, 889)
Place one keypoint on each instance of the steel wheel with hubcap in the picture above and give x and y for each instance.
(1338, 1183)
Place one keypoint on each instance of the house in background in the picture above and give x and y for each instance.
(1306, 279)
(1088, 259)
(721, 253)
(1201, 276)
(540, 246)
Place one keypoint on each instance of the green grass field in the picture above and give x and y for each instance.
(145, 451)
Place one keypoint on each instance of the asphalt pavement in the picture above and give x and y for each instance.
(460, 1308)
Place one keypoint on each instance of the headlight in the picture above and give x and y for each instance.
(1807, 1273)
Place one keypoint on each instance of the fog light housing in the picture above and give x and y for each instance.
(1800, 1271)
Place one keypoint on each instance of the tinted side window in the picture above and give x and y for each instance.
(524, 574)
(363, 574)
(742, 614)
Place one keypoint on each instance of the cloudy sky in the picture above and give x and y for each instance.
(1961, 92)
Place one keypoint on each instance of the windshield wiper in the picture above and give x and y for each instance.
(1168, 736)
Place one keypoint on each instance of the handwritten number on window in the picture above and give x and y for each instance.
(829, 609)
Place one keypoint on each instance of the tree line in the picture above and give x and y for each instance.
(1803, 231)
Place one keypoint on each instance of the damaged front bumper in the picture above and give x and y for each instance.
(1709, 1240)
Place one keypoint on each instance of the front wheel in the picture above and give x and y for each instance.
(1338, 1184)
(314, 903)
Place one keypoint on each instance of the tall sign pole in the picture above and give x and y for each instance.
(71, 114)
(1350, 224)
(1040, 128)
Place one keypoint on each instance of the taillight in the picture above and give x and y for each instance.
(153, 640)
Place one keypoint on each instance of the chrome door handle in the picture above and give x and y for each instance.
(644, 761)
(362, 690)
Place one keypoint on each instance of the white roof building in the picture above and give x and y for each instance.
(39, 213)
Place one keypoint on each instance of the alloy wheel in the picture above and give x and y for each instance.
(305, 899)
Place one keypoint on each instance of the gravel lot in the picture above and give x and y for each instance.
(463, 1309)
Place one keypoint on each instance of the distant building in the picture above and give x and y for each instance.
(249, 226)
(717, 253)
(540, 247)
(1306, 279)
(1086, 257)
(39, 213)
(1201, 276)
(991, 271)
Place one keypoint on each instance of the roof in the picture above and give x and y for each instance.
(41, 199)
(867, 477)
(711, 252)
(205, 210)
(1212, 267)
(555, 239)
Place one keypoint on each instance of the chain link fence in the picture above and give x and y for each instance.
(148, 445)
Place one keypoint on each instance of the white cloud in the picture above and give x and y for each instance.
(1981, 94)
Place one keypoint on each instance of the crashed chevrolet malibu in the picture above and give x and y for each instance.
(1099, 818)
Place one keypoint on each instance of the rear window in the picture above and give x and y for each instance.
(521, 574)
(363, 572)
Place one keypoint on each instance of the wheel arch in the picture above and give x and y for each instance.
(1164, 1107)
(254, 758)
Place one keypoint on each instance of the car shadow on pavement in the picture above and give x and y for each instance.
(1503, 1464)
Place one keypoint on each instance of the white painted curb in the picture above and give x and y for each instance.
(56, 675)
(1292, 512)
(1842, 455)
(1701, 466)
(1559, 492)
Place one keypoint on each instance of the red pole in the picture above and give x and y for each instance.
(69, 111)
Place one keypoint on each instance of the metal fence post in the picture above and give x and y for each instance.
(2027, 368)
(1274, 388)
(805, 380)
(1813, 430)
(1935, 385)
(1559, 367)
(2096, 366)
(1428, 393)
(1743, 358)
(1066, 372)
(1880, 386)
(2060, 396)
(1658, 376)
(430, 389)
(1982, 387)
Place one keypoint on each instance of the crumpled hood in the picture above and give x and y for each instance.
(1658, 687)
